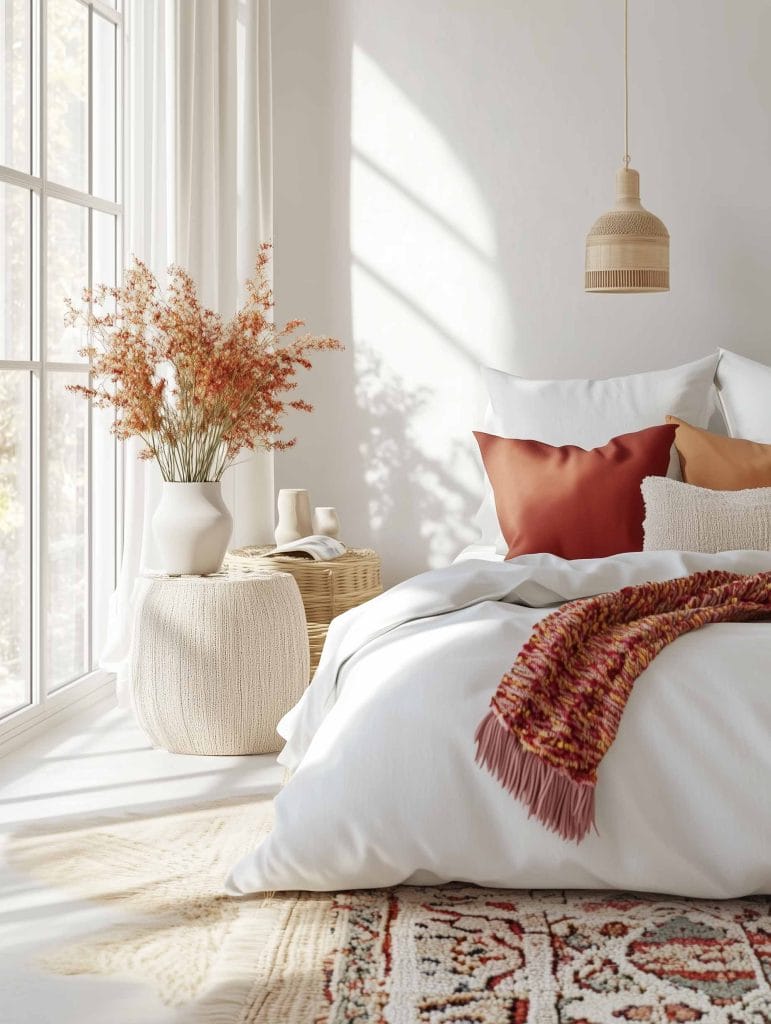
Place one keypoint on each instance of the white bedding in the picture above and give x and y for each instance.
(386, 789)
(487, 552)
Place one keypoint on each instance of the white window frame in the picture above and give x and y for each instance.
(95, 683)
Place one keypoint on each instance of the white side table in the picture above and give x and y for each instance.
(216, 661)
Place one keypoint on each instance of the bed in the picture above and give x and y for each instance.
(385, 788)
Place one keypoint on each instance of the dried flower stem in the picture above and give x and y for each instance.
(196, 390)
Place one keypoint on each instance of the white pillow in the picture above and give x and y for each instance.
(744, 392)
(588, 413)
(681, 517)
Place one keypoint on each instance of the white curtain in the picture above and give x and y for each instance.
(199, 193)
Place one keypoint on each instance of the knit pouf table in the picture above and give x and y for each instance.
(217, 660)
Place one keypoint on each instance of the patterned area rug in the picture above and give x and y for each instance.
(443, 955)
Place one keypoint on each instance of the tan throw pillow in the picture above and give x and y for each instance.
(681, 517)
(721, 463)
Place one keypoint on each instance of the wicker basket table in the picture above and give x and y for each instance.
(327, 588)
(217, 660)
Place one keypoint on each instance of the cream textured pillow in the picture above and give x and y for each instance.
(681, 517)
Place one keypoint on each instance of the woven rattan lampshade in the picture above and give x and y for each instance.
(627, 249)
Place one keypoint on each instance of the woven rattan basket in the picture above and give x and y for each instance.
(327, 588)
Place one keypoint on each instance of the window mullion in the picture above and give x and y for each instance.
(40, 493)
(37, 561)
(33, 426)
(34, 88)
(89, 475)
(90, 94)
(22, 179)
(71, 195)
(89, 540)
(110, 13)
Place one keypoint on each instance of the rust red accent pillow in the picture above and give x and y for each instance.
(569, 501)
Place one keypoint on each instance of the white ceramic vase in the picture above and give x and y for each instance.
(192, 527)
(294, 515)
(326, 522)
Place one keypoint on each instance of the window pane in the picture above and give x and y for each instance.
(15, 103)
(103, 519)
(15, 255)
(103, 107)
(14, 540)
(66, 605)
(67, 268)
(103, 258)
(67, 93)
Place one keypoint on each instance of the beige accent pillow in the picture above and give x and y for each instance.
(681, 517)
(718, 462)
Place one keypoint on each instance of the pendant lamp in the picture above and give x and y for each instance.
(627, 249)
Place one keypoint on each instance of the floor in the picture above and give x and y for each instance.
(97, 761)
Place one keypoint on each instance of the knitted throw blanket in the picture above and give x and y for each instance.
(557, 711)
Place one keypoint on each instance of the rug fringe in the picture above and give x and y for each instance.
(231, 982)
(272, 965)
(562, 804)
(230, 985)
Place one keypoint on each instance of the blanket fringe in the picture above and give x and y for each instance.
(563, 805)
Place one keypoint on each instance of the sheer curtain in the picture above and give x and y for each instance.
(199, 193)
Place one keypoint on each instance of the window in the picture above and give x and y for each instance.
(61, 226)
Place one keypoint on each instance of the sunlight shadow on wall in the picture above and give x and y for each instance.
(427, 306)
(412, 495)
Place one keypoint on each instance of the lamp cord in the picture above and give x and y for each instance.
(626, 85)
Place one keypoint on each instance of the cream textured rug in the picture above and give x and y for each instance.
(451, 955)
(224, 960)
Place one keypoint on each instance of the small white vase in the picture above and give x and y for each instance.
(192, 527)
(294, 515)
(326, 522)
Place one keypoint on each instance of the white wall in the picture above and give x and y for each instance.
(437, 166)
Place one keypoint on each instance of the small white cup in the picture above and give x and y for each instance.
(326, 522)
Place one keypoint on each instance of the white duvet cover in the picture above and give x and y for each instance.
(386, 789)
